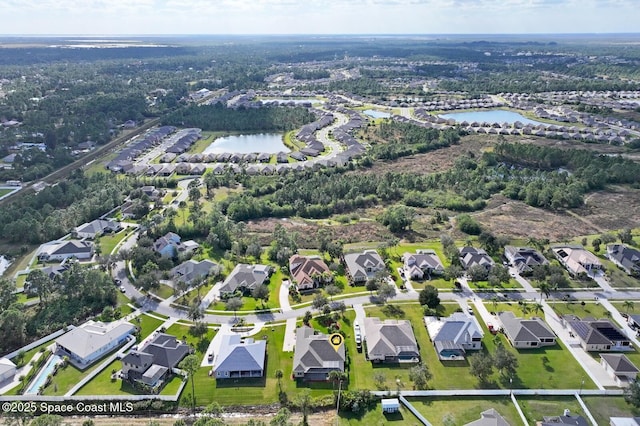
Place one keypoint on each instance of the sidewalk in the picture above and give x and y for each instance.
(211, 296)
(595, 371)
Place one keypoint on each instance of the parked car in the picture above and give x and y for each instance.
(470, 310)
(491, 328)
(210, 357)
(122, 289)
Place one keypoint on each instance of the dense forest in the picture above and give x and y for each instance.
(218, 117)
(54, 211)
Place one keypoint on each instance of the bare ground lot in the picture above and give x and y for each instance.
(615, 209)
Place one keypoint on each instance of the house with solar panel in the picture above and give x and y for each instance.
(240, 358)
(599, 335)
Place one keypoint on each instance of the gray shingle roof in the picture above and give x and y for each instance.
(620, 363)
(389, 338)
(245, 276)
(315, 351)
(236, 355)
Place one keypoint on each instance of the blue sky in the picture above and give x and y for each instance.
(318, 16)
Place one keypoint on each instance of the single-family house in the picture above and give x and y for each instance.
(155, 361)
(62, 250)
(471, 256)
(599, 335)
(239, 358)
(245, 278)
(390, 341)
(625, 257)
(524, 259)
(7, 370)
(452, 337)
(576, 259)
(526, 333)
(565, 419)
(168, 245)
(489, 417)
(309, 272)
(423, 263)
(92, 340)
(619, 367)
(192, 271)
(363, 266)
(315, 357)
(95, 228)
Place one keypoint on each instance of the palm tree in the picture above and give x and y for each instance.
(279, 376)
(628, 305)
(545, 289)
(537, 307)
(190, 365)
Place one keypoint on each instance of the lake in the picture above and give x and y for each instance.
(490, 116)
(269, 143)
(376, 114)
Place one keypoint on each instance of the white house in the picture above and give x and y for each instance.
(89, 342)
(7, 369)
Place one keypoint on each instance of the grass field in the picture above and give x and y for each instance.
(147, 325)
(4, 191)
(376, 417)
(463, 410)
(536, 407)
(66, 378)
(109, 241)
(603, 407)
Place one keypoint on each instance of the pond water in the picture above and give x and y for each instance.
(490, 116)
(376, 114)
(269, 143)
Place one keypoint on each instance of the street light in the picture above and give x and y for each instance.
(581, 385)
(511, 386)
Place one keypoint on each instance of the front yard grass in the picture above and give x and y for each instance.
(163, 291)
(484, 285)
(146, 324)
(109, 242)
(463, 410)
(536, 407)
(589, 309)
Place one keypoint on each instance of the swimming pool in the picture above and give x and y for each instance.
(43, 374)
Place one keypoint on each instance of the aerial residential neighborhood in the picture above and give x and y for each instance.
(320, 230)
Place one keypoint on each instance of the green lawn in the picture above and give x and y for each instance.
(4, 191)
(589, 309)
(109, 241)
(378, 418)
(147, 324)
(28, 355)
(482, 285)
(188, 298)
(200, 344)
(536, 407)
(66, 378)
(447, 375)
(538, 368)
(603, 407)
(617, 277)
(463, 410)
(102, 384)
(163, 291)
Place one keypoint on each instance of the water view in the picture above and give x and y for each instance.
(376, 114)
(243, 144)
(490, 116)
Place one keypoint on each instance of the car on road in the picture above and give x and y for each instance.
(122, 289)
(118, 281)
(470, 310)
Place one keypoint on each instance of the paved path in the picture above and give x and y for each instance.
(601, 279)
(284, 296)
(616, 316)
(595, 371)
(211, 296)
(289, 335)
(214, 346)
(523, 282)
